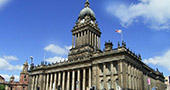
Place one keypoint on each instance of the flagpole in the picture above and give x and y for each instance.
(121, 37)
(121, 32)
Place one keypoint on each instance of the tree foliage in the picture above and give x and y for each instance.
(2, 87)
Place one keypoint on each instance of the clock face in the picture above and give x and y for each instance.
(82, 21)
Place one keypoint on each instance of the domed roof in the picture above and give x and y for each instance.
(87, 11)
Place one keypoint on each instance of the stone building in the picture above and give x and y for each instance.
(2, 79)
(88, 66)
(23, 82)
(167, 82)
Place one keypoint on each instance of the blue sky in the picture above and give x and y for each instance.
(42, 29)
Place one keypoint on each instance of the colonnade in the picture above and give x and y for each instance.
(86, 37)
(134, 77)
(79, 79)
(119, 74)
(108, 74)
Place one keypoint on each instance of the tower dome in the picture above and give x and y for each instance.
(87, 11)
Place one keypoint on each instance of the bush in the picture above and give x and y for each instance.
(2, 87)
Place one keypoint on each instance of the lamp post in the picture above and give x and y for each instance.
(148, 79)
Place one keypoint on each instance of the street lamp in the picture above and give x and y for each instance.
(148, 79)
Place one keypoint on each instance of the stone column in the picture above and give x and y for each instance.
(75, 40)
(78, 39)
(104, 76)
(72, 41)
(135, 83)
(55, 78)
(40, 82)
(84, 37)
(73, 80)
(33, 80)
(51, 81)
(132, 78)
(84, 79)
(94, 40)
(112, 77)
(78, 78)
(36, 81)
(68, 80)
(90, 38)
(90, 77)
(63, 81)
(47, 82)
(59, 78)
(44, 82)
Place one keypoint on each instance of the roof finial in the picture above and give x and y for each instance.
(87, 4)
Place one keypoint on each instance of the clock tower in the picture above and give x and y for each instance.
(24, 75)
(85, 35)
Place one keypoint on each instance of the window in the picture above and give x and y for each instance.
(25, 78)
(101, 68)
(109, 84)
(116, 67)
(102, 85)
(109, 67)
(117, 84)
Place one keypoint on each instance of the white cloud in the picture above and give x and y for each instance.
(57, 49)
(68, 47)
(55, 59)
(155, 13)
(160, 60)
(7, 77)
(10, 57)
(3, 3)
(5, 65)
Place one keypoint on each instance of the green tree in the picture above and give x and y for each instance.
(2, 87)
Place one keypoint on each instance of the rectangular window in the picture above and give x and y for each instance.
(101, 68)
(116, 68)
(109, 84)
(117, 84)
(108, 67)
(102, 85)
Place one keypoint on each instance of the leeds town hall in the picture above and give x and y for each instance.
(90, 68)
